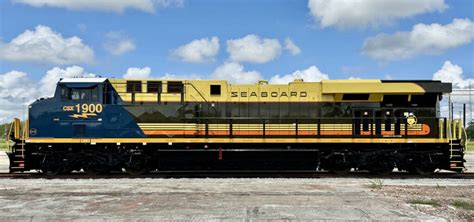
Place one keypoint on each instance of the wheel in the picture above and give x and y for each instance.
(52, 169)
(93, 167)
(424, 170)
(340, 170)
(382, 167)
(137, 164)
(338, 164)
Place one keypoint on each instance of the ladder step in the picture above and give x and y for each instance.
(17, 167)
(19, 161)
(457, 167)
(456, 161)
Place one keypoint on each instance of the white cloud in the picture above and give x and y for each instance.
(137, 73)
(388, 77)
(292, 47)
(364, 13)
(17, 90)
(234, 73)
(173, 76)
(422, 39)
(48, 82)
(311, 74)
(198, 51)
(454, 74)
(354, 78)
(43, 45)
(117, 6)
(117, 44)
(15, 85)
(252, 48)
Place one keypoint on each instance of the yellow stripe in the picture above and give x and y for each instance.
(192, 126)
(238, 140)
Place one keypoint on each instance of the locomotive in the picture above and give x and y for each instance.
(99, 125)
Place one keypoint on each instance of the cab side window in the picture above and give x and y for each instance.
(65, 94)
(83, 94)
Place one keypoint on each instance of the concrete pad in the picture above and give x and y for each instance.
(203, 199)
(469, 164)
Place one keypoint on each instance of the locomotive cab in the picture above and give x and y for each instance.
(76, 108)
(82, 90)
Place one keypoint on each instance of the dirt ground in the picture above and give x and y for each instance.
(156, 199)
(450, 202)
(223, 199)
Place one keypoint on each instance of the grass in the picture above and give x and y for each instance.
(470, 147)
(3, 145)
(463, 204)
(430, 202)
(376, 184)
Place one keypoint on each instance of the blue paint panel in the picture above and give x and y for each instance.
(49, 119)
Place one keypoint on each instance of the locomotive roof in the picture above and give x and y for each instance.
(82, 80)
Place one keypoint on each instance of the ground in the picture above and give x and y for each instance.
(214, 198)
(248, 198)
(453, 202)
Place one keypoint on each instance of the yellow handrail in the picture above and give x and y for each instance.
(460, 123)
(24, 137)
(16, 125)
(441, 128)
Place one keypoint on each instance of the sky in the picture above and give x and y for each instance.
(239, 41)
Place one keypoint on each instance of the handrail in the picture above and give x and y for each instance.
(199, 92)
(24, 136)
(307, 118)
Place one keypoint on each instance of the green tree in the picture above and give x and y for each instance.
(470, 130)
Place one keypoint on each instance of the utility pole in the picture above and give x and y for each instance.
(452, 111)
(449, 106)
(464, 115)
(470, 101)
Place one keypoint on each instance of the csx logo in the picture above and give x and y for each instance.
(68, 108)
(84, 108)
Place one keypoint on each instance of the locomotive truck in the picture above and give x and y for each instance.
(100, 125)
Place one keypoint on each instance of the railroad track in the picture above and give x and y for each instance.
(237, 174)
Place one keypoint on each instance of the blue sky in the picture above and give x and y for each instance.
(335, 51)
(239, 41)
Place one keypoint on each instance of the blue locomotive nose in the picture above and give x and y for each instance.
(82, 108)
